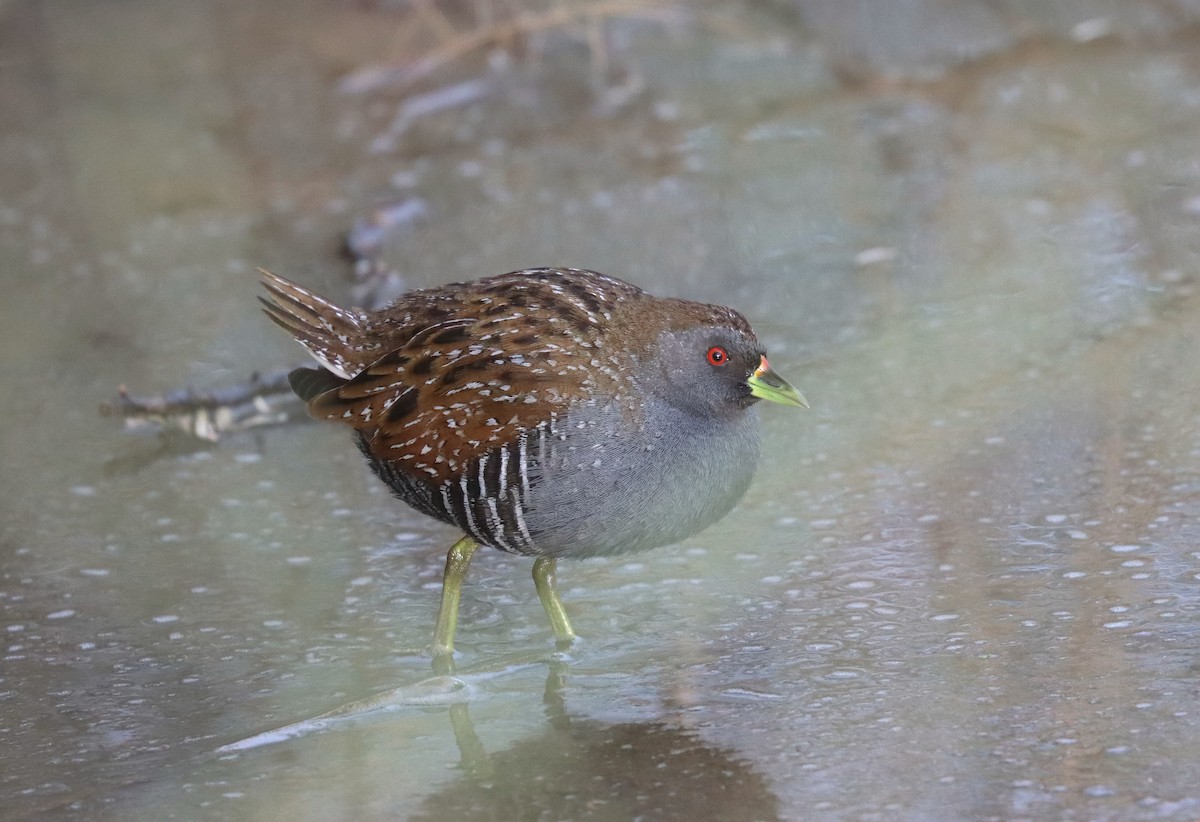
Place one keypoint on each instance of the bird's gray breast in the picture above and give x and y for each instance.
(602, 484)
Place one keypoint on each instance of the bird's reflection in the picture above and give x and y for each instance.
(587, 769)
(573, 768)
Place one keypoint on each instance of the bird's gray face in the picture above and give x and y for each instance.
(716, 372)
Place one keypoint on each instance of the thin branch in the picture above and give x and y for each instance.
(520, 25)
(433, 17)
(260, 400)
(598, 47)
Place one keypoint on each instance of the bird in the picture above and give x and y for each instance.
(548, 412)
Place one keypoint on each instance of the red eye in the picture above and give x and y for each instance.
(717, 355)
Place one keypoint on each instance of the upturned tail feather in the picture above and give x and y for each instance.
(331, 333)
(310, 383)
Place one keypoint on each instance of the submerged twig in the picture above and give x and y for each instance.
(206, 415)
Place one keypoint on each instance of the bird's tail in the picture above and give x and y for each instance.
(335, 336)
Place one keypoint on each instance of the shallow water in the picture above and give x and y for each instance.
(964, 584)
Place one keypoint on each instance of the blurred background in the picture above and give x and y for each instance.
(965, 585)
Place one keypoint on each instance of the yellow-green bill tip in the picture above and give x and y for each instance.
(767, 385)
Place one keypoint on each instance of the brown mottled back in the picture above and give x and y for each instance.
(447, 374)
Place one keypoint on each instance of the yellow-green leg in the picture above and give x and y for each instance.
(457, 561)
(547, 587)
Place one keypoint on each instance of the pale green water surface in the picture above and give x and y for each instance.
(965, 585)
